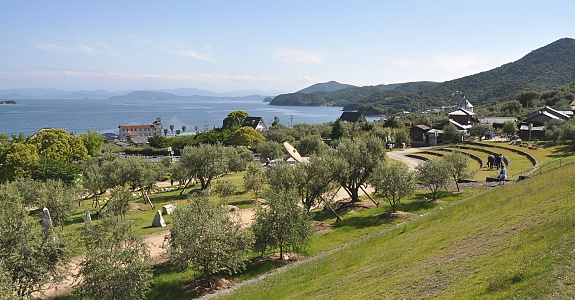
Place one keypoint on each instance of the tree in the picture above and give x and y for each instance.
(165, 131)
(255, 178)
(225, 188)
(553, 130)
(172, 128)
(56, 169)
(393, 181)
(276, 121)
(184, 128)
(433, 174)
(337, 130)
(19, 161)
(451, 134)
(116, 265)
(246, 136)
(311, 144)
(94, 181)
(205, 236)
(93, 142)
(459, 166)
(59, 145)
(480, 130)
(281, 224)
(309, 181)
(509, 128)
(59, 199)
(158, 141)
(270, 150)
(205, 162)
(119, 202)
(234, 119)
(356, 159)
(29, 258)
(402, 137)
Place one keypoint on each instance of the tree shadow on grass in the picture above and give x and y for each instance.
(425, 204)
(367, 221)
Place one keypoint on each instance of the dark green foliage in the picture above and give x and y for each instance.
(56, 169)
(451, 134)
(338, 131)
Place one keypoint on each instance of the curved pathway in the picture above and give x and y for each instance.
(401, 155)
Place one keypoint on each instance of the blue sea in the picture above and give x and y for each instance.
(77, 116)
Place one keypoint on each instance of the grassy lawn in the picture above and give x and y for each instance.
(515, 241)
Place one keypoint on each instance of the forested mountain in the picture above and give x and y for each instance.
(549, 67)
(324, 87)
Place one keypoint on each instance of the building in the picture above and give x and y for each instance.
(352, 117)
(127, 132)
(533, 125)
(418, 133)
(256, 123)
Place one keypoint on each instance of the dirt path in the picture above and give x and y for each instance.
(401, 155)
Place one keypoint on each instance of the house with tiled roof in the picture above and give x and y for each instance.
(127, 132)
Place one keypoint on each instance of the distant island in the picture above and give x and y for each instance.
(8, 102)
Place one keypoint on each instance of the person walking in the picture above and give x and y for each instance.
(502, 174)
(490, 160)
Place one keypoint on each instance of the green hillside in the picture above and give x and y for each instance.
(515, 241)
(543, 69)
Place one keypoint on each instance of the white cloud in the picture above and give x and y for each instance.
(291, 56)
(66, 49)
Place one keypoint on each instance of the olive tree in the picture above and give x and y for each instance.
(281, 223)
(205, 236)
(205, 162)
(433, 174)
(458, 164)
(29, 258)
(355, 160)
(59, 199)
(117, 262)
(393, 181)
(255, 178)
(270, 150)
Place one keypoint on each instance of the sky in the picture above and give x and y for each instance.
(269, 45)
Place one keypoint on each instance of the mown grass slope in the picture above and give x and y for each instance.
(516, 241)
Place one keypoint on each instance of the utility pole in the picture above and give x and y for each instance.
(291, 121)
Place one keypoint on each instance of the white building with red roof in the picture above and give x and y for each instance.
(127, 132)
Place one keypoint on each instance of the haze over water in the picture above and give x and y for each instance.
(105, 115)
